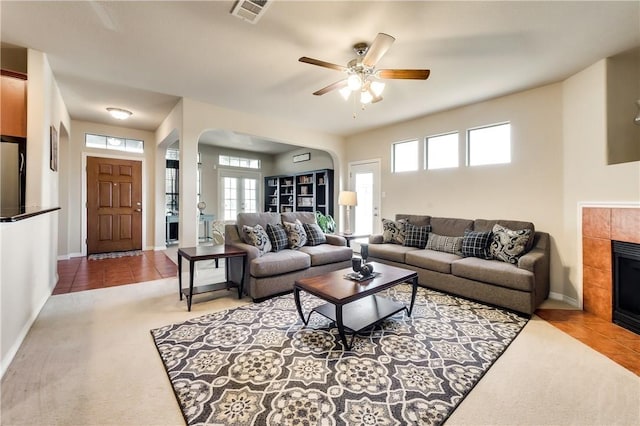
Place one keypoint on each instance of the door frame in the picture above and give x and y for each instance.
(83, 200)
(377, 163)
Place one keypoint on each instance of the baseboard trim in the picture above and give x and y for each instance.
(160, 248)
(11, 353)
(564, 298)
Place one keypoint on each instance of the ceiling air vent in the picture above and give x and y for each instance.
(250, 10)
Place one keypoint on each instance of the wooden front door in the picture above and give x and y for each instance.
(114, 205)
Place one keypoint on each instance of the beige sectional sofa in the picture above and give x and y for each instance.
(275, 272)
(520, 287)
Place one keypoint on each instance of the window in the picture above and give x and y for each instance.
(112, 142)
(442, 151)
(405, 156)
(489, 145)
(247, 163)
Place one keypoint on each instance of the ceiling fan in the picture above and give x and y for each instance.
(361, 71)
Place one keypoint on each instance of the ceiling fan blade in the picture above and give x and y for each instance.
(322, 63)
(404, 74)
(337, 85)
(378, 48)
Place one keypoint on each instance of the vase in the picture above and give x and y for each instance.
(364, 251)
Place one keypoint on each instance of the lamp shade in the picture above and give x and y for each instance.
(348, 198)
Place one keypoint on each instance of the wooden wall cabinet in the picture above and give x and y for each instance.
(13, 104)
(307, 191)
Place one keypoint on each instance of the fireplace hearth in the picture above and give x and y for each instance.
(626, 285)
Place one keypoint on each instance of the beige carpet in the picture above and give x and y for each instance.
(90, 360)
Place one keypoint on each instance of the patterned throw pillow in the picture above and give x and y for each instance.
(476, 244)
(392, 231)
(416, 236)
(508, 245)
(446, 244)
(257, 237)
(295, 233)
(315, 235)
(277, 236)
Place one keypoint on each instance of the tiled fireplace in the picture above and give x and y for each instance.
(600, 226)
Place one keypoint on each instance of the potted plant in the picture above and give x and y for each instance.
(326, 223)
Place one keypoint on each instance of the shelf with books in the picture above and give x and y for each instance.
(306, 191)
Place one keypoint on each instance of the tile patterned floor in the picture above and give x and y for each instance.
(611, 340)
(79, 274)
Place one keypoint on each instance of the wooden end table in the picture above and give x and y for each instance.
(352, 304)
(350, 237)
(195, 254)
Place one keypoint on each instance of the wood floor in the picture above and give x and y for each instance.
(79, 274)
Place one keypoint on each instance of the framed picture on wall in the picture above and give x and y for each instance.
(53, 149)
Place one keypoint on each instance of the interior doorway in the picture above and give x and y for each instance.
(364, 179)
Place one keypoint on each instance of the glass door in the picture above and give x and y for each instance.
(239, 193)
(364, 179)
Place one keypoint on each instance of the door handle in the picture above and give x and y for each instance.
(137, 210)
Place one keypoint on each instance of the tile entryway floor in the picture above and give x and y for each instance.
(78, 273)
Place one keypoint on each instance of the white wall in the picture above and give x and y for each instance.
(587, 177)
(283, 163)
(28, 248)
(527, 189)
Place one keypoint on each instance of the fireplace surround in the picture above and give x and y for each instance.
(601, 226)
(626, 285)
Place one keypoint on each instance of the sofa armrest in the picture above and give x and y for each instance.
(336, 240)
(538, 261)
(528, 261)
(375, 239)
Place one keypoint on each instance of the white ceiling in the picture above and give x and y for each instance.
(143, 56)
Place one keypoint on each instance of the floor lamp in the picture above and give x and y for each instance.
(348, 199)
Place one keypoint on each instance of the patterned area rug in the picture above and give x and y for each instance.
(258, 364)
(114, 255)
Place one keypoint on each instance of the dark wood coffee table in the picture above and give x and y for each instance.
(352, 304)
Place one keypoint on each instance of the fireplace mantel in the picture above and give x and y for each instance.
(601, 225)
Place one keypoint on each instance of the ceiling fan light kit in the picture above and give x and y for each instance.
(361, 72)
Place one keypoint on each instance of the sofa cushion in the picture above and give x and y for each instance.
(393, 252)
(278, 263)
(257, 237)
(476, 244)
(415, 219)
(437, 261)
(508, 245)
(295, 234)
(493, 272)
(324, 254)
(303, 217)
(450, 227)
(315, 235)
(416, 236)
(451, 245)
(277, 236)
(393, 231)
(253, 219)
(485, 225)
